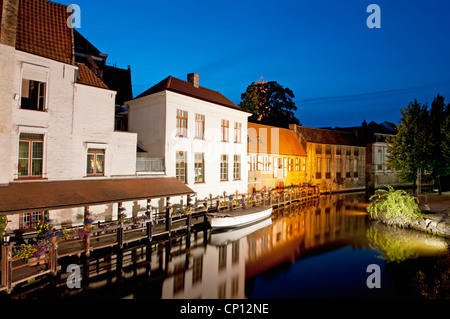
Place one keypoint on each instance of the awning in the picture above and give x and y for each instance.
(41, 196)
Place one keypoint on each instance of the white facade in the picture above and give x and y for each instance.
(154, 118)
(75, 117)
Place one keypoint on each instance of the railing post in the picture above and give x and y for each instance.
(87, 229)
(149, 230)
(188, 222)
(121, 215)
(168, 215)
(6, 279)
(53, 257)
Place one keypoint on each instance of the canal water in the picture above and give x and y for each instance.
(324, 248)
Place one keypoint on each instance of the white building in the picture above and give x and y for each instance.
(200, 134)
(56, 122)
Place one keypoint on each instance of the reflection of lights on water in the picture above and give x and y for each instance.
(354, 213)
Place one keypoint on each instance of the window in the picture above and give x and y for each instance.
(355, 168)
(31, 153)
(28, 221)
(318, 168)
(297, 164)
(95, 162)
(223, 167)
(237, 167)
(303, 164)
(180, 169)
(237, 132)
(33, 95)
(225, 128)
(182, 118)
(199, 168)
(199, 126)
(355, 151)
(347, 167)
(338, 167)
(328, 171)
(318, 148)
(338, 150)
(328, 149)
(290, 164)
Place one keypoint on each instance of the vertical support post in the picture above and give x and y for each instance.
(121, 215)
(270, 199)
(6, 279)
(53, 257)
(87, 228)
(149, 230)
(168, 215)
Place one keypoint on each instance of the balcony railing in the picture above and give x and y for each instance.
(147, 164)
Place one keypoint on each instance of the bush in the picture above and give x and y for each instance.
(394, 207)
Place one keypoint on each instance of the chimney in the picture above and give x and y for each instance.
(8, 29)
(194, 79)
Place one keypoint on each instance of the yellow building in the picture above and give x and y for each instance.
(336, 160)
(275, 158)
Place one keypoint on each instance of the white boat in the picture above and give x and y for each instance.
(238, 217)
(224, 237)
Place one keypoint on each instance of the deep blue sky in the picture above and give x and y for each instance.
(340, 71)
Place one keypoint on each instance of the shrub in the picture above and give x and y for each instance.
(394, 207)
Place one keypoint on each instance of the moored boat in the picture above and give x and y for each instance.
(238, 217)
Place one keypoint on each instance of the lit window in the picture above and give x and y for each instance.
(224, 167)
(95, 162)
(182, 118)
(28, 221)
(31, 154)
(225, 129)
(180, 169)
(237, 167)
(199, 126)
(237, 132)
(199, 168)
(33, 95)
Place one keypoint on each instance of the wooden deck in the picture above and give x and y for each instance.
(15, 271)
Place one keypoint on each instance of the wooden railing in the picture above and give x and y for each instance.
(81, 240)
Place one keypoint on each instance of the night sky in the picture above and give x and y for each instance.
(340, 71)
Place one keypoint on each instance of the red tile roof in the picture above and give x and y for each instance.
(260, 141)
(40, 196)
(87, 77)
(182, 87)
(42, 30)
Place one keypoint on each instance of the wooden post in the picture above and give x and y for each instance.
(149, 230)
(168, 215)
(121, 215)
(188, 223)
(87, 237)
(53, 258)
(6, 279)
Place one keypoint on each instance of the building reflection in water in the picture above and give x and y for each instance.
(220, 269)
(216, 265)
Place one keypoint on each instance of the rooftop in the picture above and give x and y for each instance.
(183, 87)
(42, 30)
(325, 136)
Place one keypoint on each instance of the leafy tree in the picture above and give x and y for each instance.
(438, 165)
(270, 103)
(410, 149)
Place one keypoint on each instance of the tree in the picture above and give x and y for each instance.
(410, 148)
(438, 165)
(270, 103)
